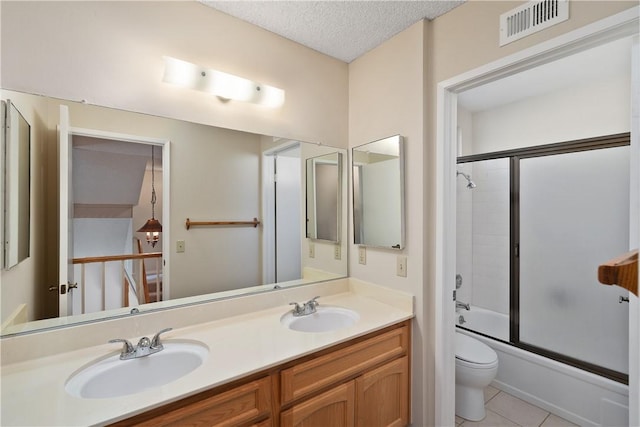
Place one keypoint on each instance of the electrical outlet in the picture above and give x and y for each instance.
(180, 246)
(362, 255)
(312, 250)
(336, 252)
(401, 266)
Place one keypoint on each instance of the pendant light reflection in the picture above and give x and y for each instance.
(152, 227)
(227, 86)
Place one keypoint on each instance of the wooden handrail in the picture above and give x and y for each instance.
(190, 223)
(108, 258)
(621, 271)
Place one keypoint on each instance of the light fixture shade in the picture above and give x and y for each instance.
(224, 85)
(151, 226)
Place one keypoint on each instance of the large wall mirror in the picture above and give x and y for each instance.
(215, 175)
(378, 193)
(324, 204)
(16, 145)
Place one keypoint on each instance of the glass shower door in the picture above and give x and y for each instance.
(574, 214)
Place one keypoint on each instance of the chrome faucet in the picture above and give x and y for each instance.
(460, 304)
(145, 346)
(308, 307)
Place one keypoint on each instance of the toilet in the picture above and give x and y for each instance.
(476, 367)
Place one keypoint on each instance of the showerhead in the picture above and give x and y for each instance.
(470, 184)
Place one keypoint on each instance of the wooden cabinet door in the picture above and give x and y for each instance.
(334, 408)
(382, 395)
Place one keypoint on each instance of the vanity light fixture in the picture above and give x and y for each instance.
(152, 227)
(227, 86)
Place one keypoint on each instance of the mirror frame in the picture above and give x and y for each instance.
(16, 186)
(401, 189)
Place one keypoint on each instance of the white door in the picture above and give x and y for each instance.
(287, 216)
(65, 275)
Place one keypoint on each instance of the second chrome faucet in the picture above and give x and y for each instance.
(145, 346)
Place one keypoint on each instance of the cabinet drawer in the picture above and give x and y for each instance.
(331, 368)
(240, 405)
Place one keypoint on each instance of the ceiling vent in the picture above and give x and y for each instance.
(530, 18)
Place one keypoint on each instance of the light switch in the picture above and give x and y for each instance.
(312, 250)
(401, 267)
(362, 255)
(180, 246)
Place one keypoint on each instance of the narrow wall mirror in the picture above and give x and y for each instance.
(16, 143)
(324, 174)
(378, 193)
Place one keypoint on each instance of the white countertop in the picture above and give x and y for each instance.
(33, 391)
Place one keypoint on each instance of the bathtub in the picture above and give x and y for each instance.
(581, 397)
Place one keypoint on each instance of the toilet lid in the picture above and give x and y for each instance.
(473, 351)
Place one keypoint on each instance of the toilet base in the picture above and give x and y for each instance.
(470, 403)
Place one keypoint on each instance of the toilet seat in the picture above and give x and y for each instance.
(473, 353)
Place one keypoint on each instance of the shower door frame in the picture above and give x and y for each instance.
(622, 24)
(514, 156)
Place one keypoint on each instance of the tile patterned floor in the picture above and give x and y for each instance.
(504, 409)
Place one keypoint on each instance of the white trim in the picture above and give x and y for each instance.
(166, 190)
(634, 240)
(613, 27)
(268, 219)
(269, 270)
(94, 133)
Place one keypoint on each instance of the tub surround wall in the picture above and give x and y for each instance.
(490, 235)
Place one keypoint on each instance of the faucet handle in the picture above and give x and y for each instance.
(313, 303)
(296, 309)
(155, 342)
(127, 347)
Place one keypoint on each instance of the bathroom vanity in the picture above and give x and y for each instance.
(362, 382)
(258, 370)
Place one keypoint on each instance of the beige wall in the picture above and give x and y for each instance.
(452, 52)
(392, 90)
(110, 53)
(386, 96)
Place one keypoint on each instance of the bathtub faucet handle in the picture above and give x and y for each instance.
(460, 304)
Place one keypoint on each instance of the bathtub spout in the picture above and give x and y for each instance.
(460, 304)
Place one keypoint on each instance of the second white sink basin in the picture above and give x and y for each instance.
(112, 377)
(325, 319)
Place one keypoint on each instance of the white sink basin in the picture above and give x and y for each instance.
(112, 377)
(325, 319)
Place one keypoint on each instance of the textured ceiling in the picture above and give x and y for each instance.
(341, 29)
